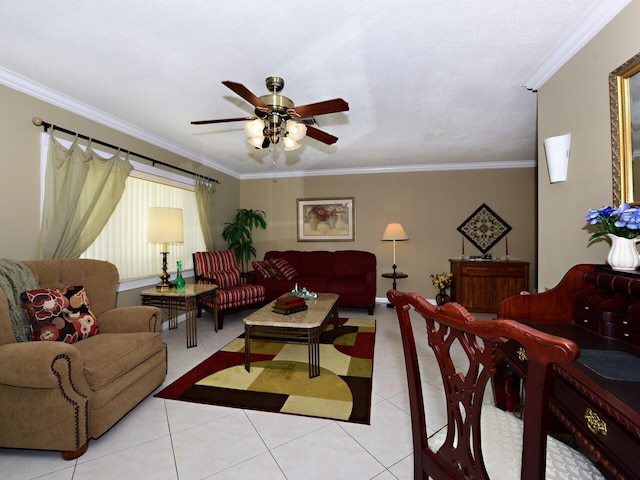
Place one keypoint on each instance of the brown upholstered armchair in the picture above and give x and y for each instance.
(221, 267)
(55, 395)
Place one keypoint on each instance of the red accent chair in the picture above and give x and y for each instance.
(221, 267)
(480, 441)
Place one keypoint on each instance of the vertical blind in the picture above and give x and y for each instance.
(123, 241)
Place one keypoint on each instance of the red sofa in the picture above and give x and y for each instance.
(349, 273)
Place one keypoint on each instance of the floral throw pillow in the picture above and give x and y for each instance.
(284, 268)
(59, 315)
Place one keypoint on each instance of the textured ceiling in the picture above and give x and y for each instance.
(430, 83)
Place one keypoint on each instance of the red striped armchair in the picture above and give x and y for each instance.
(221, 267)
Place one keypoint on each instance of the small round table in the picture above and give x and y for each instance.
(395, 276)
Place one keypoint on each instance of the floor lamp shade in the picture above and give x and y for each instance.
(165, 226)
(394, 233)
(557, 152)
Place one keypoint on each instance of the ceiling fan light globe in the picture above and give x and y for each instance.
(290, 144)
(296, 130)
(254, 128)
(256, 141)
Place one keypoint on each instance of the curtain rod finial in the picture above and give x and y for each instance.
(37, 121)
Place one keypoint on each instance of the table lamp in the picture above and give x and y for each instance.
(165, 226)
(394, 233)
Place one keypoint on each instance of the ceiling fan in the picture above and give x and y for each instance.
(278, 118)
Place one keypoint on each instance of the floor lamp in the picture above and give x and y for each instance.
(394, 233)
(165, 227)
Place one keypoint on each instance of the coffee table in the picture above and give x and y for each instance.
(307, 326)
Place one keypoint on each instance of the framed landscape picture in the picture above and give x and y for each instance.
(326, 219)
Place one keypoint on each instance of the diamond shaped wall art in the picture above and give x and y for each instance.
(484, 228)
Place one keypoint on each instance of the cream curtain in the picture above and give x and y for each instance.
(206, 199)
(81, 191)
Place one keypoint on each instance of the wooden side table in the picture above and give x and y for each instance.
(186, 301)
(395, 276)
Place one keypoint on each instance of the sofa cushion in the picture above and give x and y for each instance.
(108, 356)
(316, 264)
(264, 269)
(237, 296)
(61, 315)
(284, 269)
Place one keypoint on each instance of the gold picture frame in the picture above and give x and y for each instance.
(326, 219)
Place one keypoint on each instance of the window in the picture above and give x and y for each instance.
(123, 241)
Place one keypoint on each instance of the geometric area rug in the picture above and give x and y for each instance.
(279, 378)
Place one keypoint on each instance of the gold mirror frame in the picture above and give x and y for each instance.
(621, 138)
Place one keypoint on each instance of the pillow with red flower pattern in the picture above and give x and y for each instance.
(60, 315)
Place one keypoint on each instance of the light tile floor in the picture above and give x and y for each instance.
(166, 439)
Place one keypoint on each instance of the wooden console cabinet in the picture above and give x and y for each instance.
(480, 286)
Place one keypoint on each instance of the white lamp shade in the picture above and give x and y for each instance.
(394, 231)
(256, 141)
(296, 130)
(165, 225)
(254, 128)
(290, 144)
(557, 152)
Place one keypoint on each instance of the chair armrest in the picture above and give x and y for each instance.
(39, 365)
(138, 318)
(210, 278)
(552, 306)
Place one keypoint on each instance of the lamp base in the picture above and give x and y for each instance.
(163, 286)
(164, 283)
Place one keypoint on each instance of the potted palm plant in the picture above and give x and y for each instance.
(238, 236)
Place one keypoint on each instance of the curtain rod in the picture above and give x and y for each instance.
(38, 122)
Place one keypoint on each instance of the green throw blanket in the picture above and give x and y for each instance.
(16, 278)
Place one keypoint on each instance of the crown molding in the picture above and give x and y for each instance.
(46, 94)
(440, 167)
(599, 16)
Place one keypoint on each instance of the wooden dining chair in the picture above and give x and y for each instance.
(479, 440)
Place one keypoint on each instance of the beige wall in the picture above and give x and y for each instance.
(430, 206)
(20, 170)
(576, 100)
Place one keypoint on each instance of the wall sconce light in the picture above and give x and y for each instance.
(557, 151)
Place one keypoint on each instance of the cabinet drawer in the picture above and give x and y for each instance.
(493, 269)
(478, 270)
(622, 333)
(588, 316)
(618, 443)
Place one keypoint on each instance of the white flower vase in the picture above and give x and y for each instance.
(623, 255)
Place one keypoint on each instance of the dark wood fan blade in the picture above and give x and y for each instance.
(320, 108)
(245, 93)
(321, 136)
(221, 120)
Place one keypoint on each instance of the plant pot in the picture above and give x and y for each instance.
(623, 255)
(442, 297)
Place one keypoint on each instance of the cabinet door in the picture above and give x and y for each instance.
(477, 293)
(506, 287)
